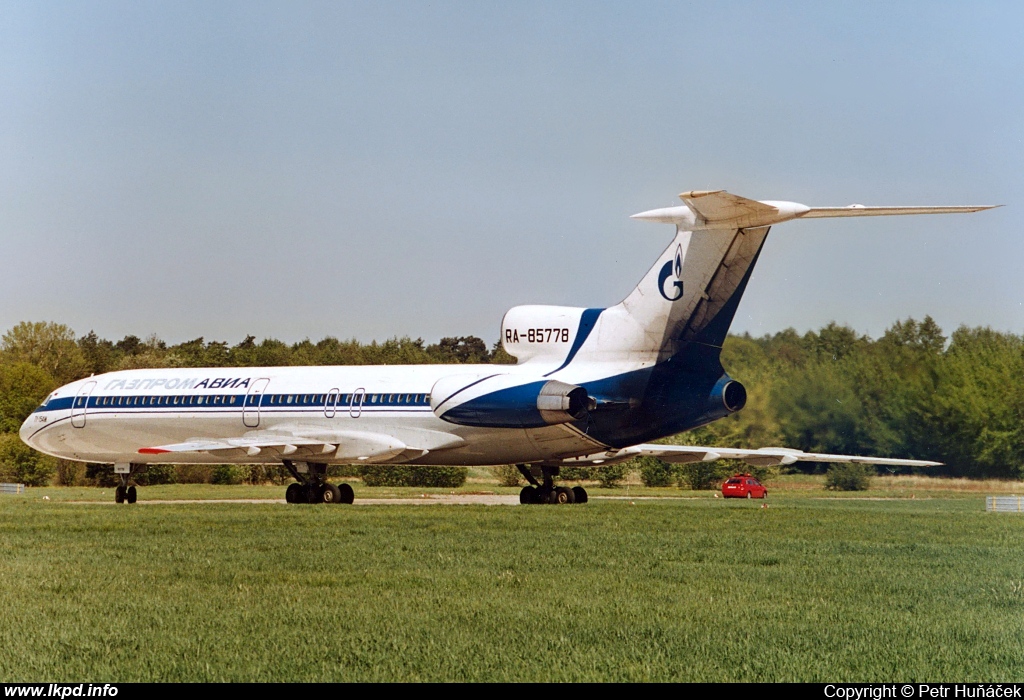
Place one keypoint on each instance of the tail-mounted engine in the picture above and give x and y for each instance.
(734, 396)
(725, 398)
(508, 401)
(559, 402)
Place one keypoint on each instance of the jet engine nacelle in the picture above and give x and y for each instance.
(731, 394)
(508, 401)
(725, 398)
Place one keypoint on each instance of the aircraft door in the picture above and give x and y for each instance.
(81, 404)
(253, 399)
(331, 403)
(355, 408)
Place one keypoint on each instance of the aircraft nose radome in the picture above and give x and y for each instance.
(26, 430)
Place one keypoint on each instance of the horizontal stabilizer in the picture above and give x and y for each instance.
(717, 209)
(861, 210)
(719, 205)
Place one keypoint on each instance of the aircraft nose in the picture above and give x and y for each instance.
(26, 430)
(30, 428)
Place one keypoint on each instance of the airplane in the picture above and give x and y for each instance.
(591, 386)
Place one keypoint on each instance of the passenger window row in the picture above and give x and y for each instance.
(219, 400)
(341, 399)
(330, 400)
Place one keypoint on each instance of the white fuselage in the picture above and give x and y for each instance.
(111, 417)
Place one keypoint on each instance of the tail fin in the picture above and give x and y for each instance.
(692, 292)
(687, 300)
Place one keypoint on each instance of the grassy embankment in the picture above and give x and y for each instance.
(687, 589)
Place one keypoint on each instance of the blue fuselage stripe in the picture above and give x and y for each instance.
(229, 402)
(587, 322)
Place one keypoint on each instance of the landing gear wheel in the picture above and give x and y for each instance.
(314, 493)
(346, 494)
(294, 493)
(131, 495)
(764, 495)
(528, 495)
(563, 496)
(119, 493)
(580, 493)
(749, 495)
(330, 494)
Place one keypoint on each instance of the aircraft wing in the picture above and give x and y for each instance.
(328, 446)
(767, 456)
(285, 445)
(763, 457)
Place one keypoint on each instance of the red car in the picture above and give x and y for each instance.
(744, 486)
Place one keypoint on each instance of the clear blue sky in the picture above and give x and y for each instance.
(378, 169)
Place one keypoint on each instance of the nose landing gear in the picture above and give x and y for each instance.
(125, 493)
(546, 491)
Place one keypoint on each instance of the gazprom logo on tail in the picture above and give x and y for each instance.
(672, 269)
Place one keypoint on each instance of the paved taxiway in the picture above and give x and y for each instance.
(424, 500)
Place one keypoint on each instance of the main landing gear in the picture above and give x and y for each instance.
(125, 493)
(313, 486)
(546, 491)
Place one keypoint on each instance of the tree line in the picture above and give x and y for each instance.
(911, 393)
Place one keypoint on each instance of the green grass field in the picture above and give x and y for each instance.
(809, 589)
